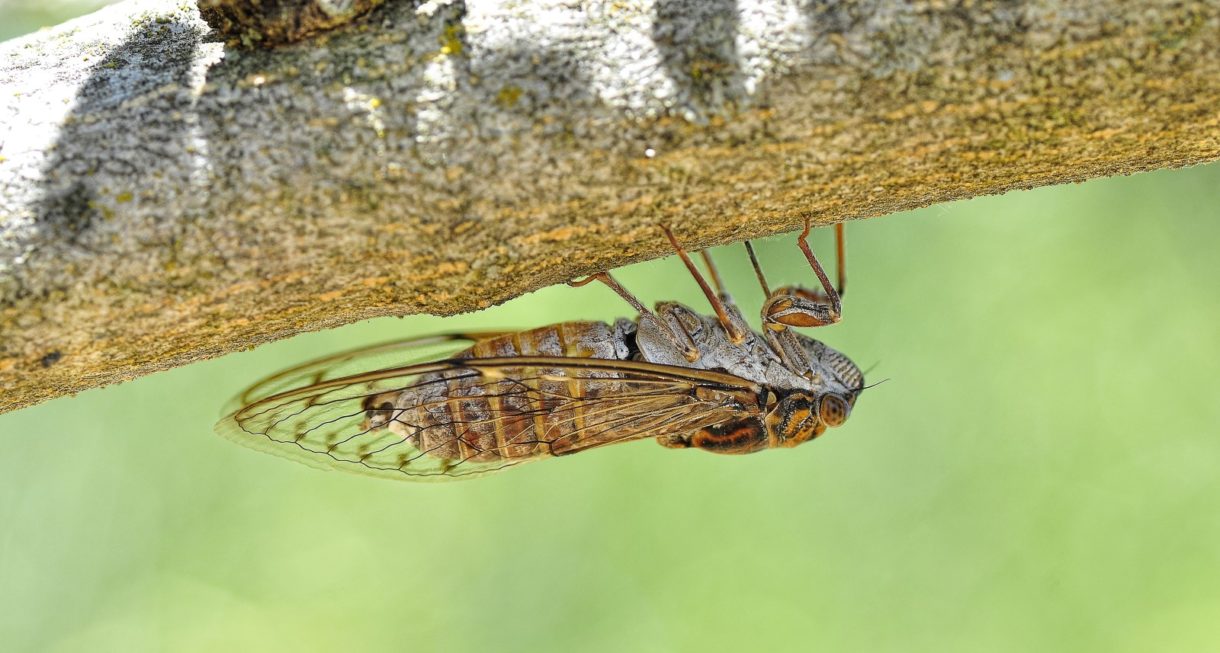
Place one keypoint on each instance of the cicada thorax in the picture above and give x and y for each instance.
(463, 416)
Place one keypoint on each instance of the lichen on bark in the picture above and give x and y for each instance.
(165, 197)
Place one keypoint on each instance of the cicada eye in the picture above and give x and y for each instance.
(834, 410)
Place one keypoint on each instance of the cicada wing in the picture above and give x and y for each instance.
(465, 417)
(384, 355)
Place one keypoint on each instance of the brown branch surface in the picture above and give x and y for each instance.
(164, 199)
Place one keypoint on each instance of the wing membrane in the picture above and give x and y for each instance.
(357, 361)
(463, 417)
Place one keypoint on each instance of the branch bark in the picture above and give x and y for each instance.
(165, 198)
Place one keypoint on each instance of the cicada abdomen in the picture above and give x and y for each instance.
(546, 412)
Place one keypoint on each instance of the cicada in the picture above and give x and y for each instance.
(457, 406)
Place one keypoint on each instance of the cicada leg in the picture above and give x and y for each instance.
(833, 294)
(840, 259)
(762, 279)
(731, 306)
(794, 306)
(674, 441)
(734, 331)
(648, 320)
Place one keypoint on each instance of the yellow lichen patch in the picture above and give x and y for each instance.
(508, 96)
(124, 197)
(1103, 134)
(330, 296)
(450, 267)
(559, 234)
(451, 40)
(438, 271)
(282, 279)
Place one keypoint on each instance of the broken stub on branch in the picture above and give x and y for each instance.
(268, 23)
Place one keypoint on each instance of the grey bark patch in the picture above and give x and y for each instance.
(67, 213)
(697, 40)
(100, 157)
(441, 157)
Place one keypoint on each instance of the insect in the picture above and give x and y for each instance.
(456, 406)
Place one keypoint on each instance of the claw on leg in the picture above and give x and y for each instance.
(674, 441)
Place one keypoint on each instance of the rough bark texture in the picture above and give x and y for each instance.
(164, 199)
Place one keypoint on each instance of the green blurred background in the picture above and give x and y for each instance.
(1041, 472)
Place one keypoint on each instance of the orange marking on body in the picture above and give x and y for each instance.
(496, 403)
(453, 407)
(737, 440)
(539, 417)
(481, 349)
(574, 388)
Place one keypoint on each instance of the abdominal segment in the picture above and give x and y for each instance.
(457, 415)
(745, 436)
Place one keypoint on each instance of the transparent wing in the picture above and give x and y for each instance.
(358, 361)
(458, 418)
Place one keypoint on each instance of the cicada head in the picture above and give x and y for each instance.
(835, 384)
(800, 416)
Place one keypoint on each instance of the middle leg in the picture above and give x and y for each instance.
(716, 299)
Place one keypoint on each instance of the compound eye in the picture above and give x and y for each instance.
(834, 410)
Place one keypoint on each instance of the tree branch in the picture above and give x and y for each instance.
(165, 198)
